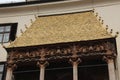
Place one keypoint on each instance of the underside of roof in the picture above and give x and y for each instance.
(54, 29)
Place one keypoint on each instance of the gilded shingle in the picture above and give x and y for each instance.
(62, 28)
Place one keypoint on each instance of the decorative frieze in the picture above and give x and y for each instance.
(62, 51)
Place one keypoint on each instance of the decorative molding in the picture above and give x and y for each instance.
(68, 51)
(42, 63)
(11, 64)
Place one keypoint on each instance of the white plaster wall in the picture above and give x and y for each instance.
(111, 17)
(22, 15)
(109, 11)
(3, 54)
(21, 20)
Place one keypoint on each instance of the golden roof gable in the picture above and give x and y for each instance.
(71, 27)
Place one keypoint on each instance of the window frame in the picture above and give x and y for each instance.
(12, 32)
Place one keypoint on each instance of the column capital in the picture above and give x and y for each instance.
(11, 65)
(42, 63)
(75, 60)
(108, 58)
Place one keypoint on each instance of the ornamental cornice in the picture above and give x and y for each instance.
(62, 52)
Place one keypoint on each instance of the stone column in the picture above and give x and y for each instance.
(111, 67)
(42, 69)
(9, 73)
(75, 67)
(42, 72)
(75, 71)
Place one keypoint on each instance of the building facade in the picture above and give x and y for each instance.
(61, 40)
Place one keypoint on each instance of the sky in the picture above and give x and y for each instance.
(10, 1)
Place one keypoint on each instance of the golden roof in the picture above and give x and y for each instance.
(62, 28)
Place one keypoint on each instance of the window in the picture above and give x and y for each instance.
(26, 72)
(1, 70)
(7, 32)
(4, 33)
(59, 70)
(93, 69)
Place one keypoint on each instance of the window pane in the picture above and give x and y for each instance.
(1, 29)
(1, 68)
(6, 37)
(7, 28)
(1, 71)
(59, 70)
(1, 35)
(26, 72)
(0, 76)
